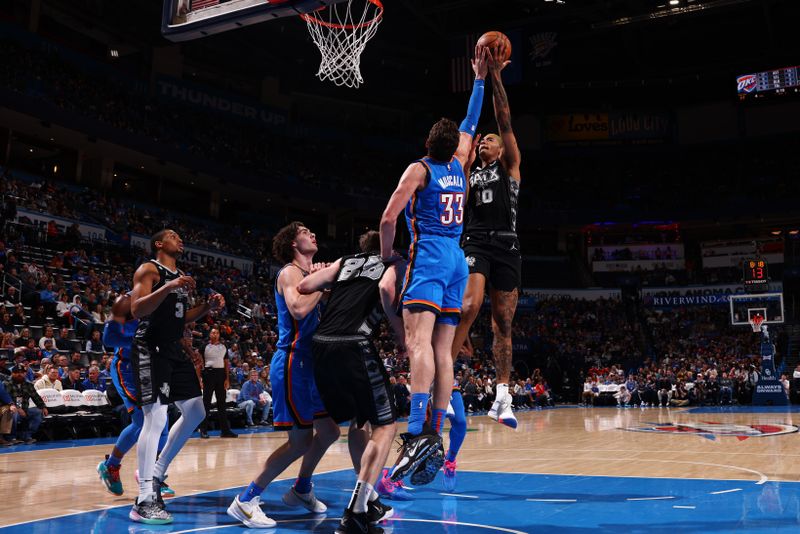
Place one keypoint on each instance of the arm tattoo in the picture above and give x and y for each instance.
(501, 110)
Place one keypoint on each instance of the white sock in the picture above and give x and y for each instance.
(374, 496)
(364, 490)
(155, 417)
(502, 391)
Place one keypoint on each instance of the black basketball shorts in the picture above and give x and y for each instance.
(498, 259)
(353, 382)
(163, 372)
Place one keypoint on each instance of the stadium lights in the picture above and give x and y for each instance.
(674, 2)
(794, 232)
(113, 52)
(775, 232)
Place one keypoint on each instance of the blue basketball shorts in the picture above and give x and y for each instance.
(436, 278)
(122, 377)
(295, 399)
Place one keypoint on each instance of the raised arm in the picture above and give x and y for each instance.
(322, 279)
(511, 156)
(299, 305)
(412, 180)
(480, 65)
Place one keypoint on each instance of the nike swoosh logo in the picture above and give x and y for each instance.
(248, 516)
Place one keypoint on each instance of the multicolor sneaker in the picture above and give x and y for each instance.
(110, 477)
(394, 491)
(150, 512)
(427, 470)
(414, 450)
(308, 500)
(449, 480)
(250, 513)
(501, 412)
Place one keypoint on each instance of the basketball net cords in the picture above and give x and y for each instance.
(341, 48)
(756, 323)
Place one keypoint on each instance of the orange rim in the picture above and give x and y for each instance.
(309, 17)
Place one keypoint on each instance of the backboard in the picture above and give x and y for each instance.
(183, 20)
(768, 305)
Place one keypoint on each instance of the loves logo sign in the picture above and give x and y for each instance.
(747, 83)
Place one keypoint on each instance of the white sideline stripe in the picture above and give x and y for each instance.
(73, 512)
(650, 498)
(459, 495)
(725, 491)
(434, 521)
(552, 500)
(685, 507)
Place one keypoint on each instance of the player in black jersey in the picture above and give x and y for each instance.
(490, 240)
(163, 372)
(349, 374)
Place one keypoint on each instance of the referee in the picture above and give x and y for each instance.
(215, 381)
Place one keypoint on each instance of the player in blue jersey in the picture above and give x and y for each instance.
(118, 333)
(433, 192)
(296, 404)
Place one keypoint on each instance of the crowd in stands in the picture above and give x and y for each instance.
(123, 103)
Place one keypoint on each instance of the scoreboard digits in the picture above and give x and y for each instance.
(778, 81)
(756, 274)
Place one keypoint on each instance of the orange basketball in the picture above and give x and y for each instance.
(494, 39)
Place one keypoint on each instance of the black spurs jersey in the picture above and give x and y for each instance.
(492, 204)
(354, 303)
(166, 323)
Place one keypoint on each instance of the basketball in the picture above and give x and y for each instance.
(494, 39)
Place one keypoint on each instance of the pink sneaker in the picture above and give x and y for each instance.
(392, 490)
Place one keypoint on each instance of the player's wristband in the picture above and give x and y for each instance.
(470, 122)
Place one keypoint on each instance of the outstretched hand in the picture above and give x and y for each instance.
(473, 153)
(480, 63)
(496, 62)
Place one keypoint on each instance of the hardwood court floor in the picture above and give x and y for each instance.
(589, 442)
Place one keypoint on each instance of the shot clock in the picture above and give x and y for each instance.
(756, 275)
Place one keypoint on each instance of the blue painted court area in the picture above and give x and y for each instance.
(494, 502)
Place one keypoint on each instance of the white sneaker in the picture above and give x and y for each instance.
(250, 513)
(306, 500)
(501, 412)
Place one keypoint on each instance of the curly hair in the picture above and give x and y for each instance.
(370, 242)
(442, 140)
(282, 242)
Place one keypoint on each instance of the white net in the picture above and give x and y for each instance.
(756, 321)
(341, 36)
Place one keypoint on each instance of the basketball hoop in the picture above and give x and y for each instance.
(756, 322)
(341, 38)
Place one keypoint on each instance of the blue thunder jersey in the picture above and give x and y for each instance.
(120, 336)
(439, 208)
(294, 335)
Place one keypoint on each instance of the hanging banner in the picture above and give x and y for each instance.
(200, 256)
(91, 231)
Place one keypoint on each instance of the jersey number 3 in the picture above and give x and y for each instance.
(453, 210)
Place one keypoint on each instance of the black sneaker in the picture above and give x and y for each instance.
(414, 450)
(352, 523)
(150, 512)
(427, 470)
(203, 434)
(377, 511)
(228, 435)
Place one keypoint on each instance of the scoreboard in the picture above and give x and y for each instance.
(756, 275)
(780, 81)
